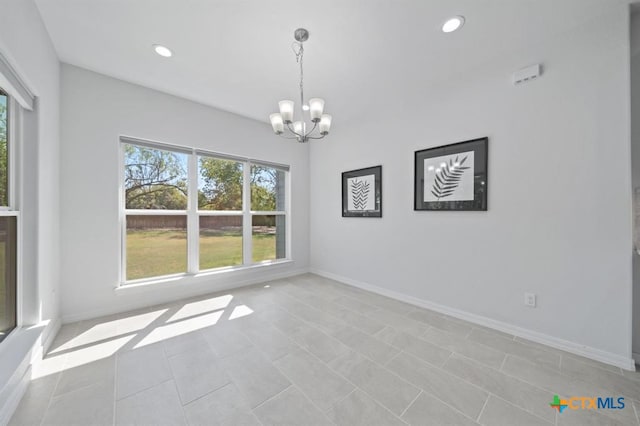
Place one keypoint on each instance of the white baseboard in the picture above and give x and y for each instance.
(50, 334)
(96, 313)
(535, 336)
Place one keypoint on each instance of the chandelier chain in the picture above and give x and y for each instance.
(298, 49)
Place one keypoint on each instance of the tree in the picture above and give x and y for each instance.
(264, 181)
(222, 189)
(154, 179)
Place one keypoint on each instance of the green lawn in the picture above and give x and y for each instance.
(161, 252)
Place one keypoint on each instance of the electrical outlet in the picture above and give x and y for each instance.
(530, 300)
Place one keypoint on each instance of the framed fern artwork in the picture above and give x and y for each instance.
(362, 192)
(452, 177)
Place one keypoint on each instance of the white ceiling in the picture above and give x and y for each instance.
(236, 54)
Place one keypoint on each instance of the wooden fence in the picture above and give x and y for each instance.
(180, 222)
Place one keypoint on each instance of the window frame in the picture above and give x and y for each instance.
(268, 212)
(199, 213)
(14, 188)
(193, 213)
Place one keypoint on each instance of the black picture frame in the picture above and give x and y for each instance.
(360, 203)
(455, 184)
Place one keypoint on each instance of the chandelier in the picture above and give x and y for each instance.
(284, 119)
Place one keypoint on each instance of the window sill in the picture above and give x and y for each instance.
(186, 279)
(17, 351)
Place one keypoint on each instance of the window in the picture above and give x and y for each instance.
(8, 223)
(268, 213)
(155, 198)
(220, 213)
(187, 211)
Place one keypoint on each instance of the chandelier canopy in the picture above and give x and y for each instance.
(282, 122)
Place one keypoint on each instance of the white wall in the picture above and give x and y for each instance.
(635, 169)
(559, 218)
(25, 42)
(26, 45)
(96, 110)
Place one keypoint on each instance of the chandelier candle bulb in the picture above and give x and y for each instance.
(277, 123)
(286, 111)
(316, 106)
(298, 127)
(325, 124)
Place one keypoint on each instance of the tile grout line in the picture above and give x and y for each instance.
(488, 392)
(53, 392)
(514, 354)
(455, 336)
(406, 381)
(338, 305)
(271, 397)
(377, 333)
(263, 352)
(175, 386)
(146, 389)
(312, 403)
(482, 410)
(355, 386)
(560, 363)
(591, 363)
(351, 296)
(392, 358)
(411, 403)
(428, 325)
(230, 383)
(526, 411)
(504, 361)
(446, 361)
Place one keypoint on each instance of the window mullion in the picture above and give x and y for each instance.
(193, 225)
(246, 214)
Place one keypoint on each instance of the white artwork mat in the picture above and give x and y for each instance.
(449, 177)
(361, 193)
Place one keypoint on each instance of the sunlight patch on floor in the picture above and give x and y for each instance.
(240, 311)
(202, 307)
(174, 329)
(95, 352)
(92, 340)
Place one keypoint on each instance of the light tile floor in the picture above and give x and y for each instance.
(305, 351)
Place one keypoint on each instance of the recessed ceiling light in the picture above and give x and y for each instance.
(453, 24)
(162, 50)
(305, 107)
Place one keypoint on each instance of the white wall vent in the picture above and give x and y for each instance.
(526, 75)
